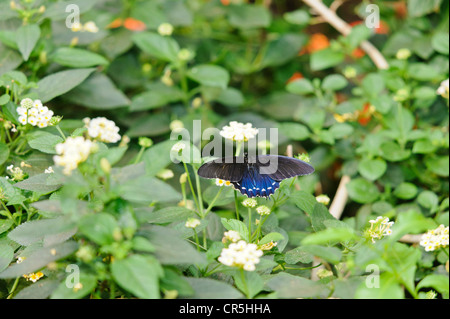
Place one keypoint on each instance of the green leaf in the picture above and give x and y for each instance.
(334, 82)
(77, 58)
(299, 17)
(169, 215)
(319, 215)
(304, 201)
(160, 47)
(388, 288)
(358, 34)
(12, 194)
(98, 92)
(236, 225)
(38, 183)
(294, 131)
(300, 86)
(206, 288)
(4, 153)
(249, 16)
(139, 275)
(428, 200)
(289, 286)
(9, 59)
(298, 255)
(393, 152)
(440, 42)
(6, 256)
(157, 157)
(5, 98)
(410, 222)
(39, 258)
(210, 75)
(273, 236)
(405, 191)
(373, 84)
(99, 228)
(329, 235)
(418, 8)
(231, 97)
(422, 72)
(26, 38)
(424, 146)
(170, 248)
(341, 130)
(5, 225)
(325, 59)
(88, 283)
(438, 165)
(43, 230)
(283, 49)
(173, 281)
(252, 285)
(59, 83)
(372, 169)
(43, 141)
(435, 281)
(155, 98)
(146, 190)
(362, 191)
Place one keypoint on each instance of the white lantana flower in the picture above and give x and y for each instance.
(102, 129)
(435, 238)
(249, 202)
(238, 131)
(242, 255)
(379, 227)
(443, 89)
(165, 29)
(192, 223)
(231, 235)
(34, 113)
(323, 199)
(72, 152)
(221, 182)
(179, 146)
(263, 210)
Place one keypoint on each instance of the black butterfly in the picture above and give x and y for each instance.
(255, 175)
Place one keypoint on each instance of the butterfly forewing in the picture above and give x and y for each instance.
(228, 168)
(280, 167)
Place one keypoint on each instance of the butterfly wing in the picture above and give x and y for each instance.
(228, 168)
(279, 167)
(254, 184)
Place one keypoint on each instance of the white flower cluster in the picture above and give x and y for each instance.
(231, 235)
(89, 26)
(178, 147)
(192, 223)
(102, 129)
(34, 113)
(221, 182)
(263, 210)
(165, 29)
(72, 152)
(238, 131)
(435, 238)
(323, 199)
(444, 89)
(250, 202)
(242, 255)
(380, 227)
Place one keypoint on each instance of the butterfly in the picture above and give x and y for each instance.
(255, 176)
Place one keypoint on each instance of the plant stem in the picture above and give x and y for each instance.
(139, 156)
(13, 288)
(236, 205)
(244, 282)
(191, 186)
(211, 205)
(61, 132)
(8, 213)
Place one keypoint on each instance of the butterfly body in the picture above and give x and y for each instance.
(255, 176)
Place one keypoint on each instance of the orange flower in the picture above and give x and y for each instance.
(317, 42)
(383, 28)
(129, 23)
(134, 24)
(401, 11)
(225, 2)
(365, 115)
(358, 53)
(295, 76)
(115, 24)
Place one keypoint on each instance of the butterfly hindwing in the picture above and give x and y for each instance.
(254, 184)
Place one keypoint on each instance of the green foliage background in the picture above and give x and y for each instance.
(386, 130)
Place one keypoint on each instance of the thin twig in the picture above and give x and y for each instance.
(340, 198)
(343, 27)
